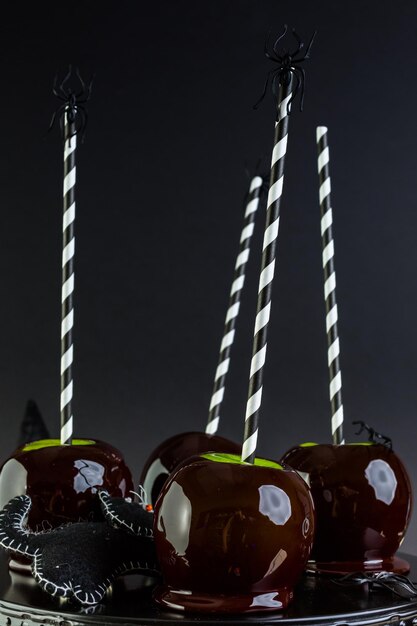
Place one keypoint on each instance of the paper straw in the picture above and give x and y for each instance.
(330, 287)
(67, 305)
(234, 305)
(263, 311)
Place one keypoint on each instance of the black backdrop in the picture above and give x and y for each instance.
(161, 182)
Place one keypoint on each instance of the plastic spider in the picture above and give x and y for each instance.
(73, 106)
(288, 67)
(373, 435)
(398, 584)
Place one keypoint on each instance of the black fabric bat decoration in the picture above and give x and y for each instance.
(129, 516)
(81, 560)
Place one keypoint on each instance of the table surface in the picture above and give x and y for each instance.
(318, 601)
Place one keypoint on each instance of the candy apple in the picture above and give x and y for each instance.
(362, 496)
(62, 480)
(173, 451)
(232, 537)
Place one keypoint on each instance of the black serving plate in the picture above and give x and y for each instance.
(318, 601)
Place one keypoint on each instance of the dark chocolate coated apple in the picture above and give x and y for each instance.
(173, 451)
(62, 481)
(232, 537)
(362, 496)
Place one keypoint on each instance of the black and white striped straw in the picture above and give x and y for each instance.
(234, 305)
(67, 303)
(263, 311)
(333, 352)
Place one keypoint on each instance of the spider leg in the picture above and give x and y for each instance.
(82, 120)
(86, 89)
(279, 39)
(60, 97)
(57, 113)
(68, 75)
(386, 585)
(362, 426)
(79, 114)
(277, 75)
(89, 88)
(272, 56)
(266, 45)
(85, 122)
(82, 83)
(65, 80)
(301, 71)
(54, 87)
(401, 578)
(300, 44)
(61, 125)
(307, 53)
(258, 102)
(372, 433)
(384, 440)
(387, 442)
(52, 122)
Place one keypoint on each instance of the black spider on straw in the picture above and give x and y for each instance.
(73, 104)
(288, 65)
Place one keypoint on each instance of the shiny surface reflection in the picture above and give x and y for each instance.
(174, 521)
(174, 451)
(382, 479)
(362, 496)
(275, 504)
(90, 475)
(317, 600)
(232, 537)
(62, 481)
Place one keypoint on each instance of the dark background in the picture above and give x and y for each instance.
(161, 181)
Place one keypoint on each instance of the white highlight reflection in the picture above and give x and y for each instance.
(382, 479)
(90, 475)
(268, 600)
(175, 518)
(276, 562)
(274, 504)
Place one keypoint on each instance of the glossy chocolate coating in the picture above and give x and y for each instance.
(62, 481)
(362, 497)
(232, 538)
(175, 450)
